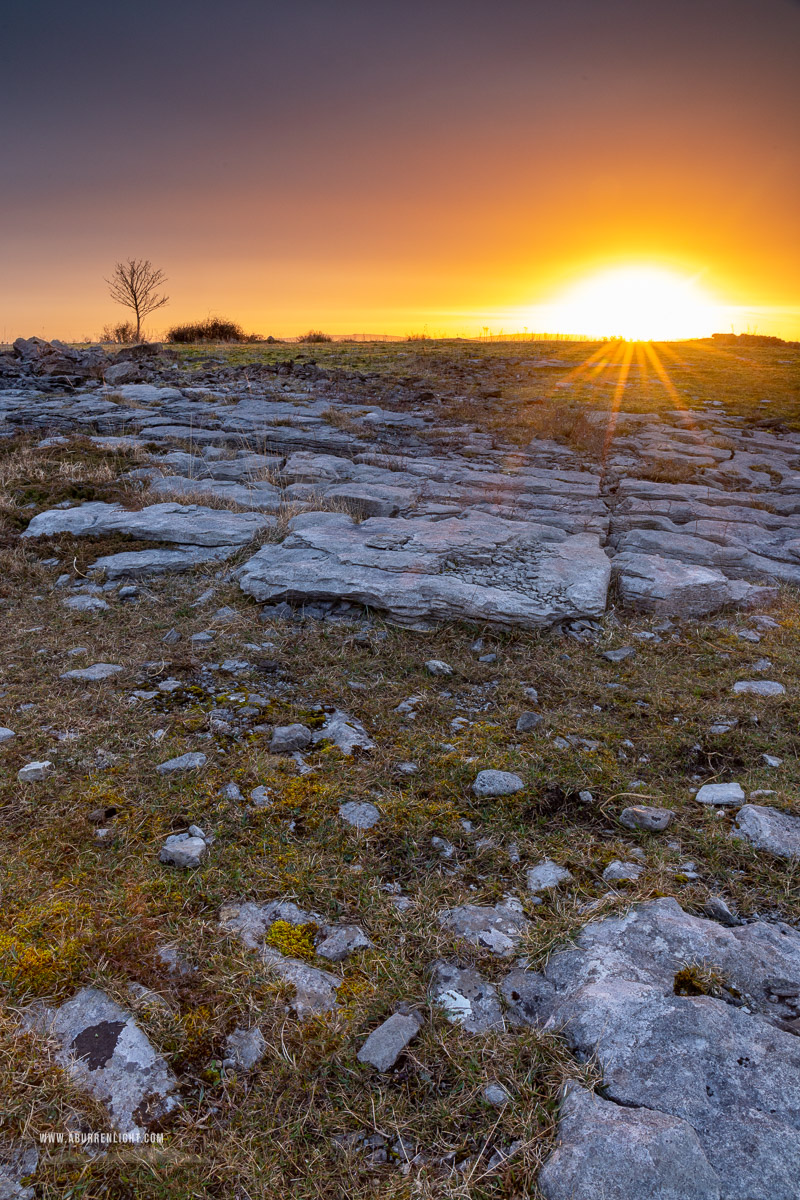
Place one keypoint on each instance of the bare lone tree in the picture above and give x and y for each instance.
(135, 285)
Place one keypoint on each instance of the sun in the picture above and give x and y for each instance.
(636, 303)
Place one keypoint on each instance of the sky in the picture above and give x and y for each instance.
(394, 167)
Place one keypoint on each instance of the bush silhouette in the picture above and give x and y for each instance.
(213, 329)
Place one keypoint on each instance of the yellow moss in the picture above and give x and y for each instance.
(37, 968)
(295, 941)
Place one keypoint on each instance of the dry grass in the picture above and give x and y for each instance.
(80, 911)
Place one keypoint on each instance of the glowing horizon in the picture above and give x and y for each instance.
(454, 166)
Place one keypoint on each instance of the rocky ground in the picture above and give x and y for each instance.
(400, 772)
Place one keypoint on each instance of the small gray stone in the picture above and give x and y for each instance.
(618, 656)
(340, 941)
(171, 637)
(496, 783)
(345, 732)
(497, 929)
(758, 687)
(6, 734)
(34, 772)
(716, 908)
(288, 738)
(435, 666)
(546, 875)
(466, 998)
(93, 674)
(244, 1048)
(528, 721)
(360, 814)
(622, 872)
(183, 850)
(642, 816)
(720, 793)
(83, 603)
(231, 791)
(496, 1095)
(185, 762)
(385, 1044)
(770, 760)
(18, 1161)
(261, 796)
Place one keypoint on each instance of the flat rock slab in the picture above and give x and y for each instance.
(476, 567)
(670, 588)
(139, 564)
(768, 829)
(189, 524)
(625, 1154)
(105, 1052)
(726, 1071)
(94, 674)
(722, 794)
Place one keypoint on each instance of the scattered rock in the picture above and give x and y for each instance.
(244, 1048)
(716, 908)
(360, 814)
(288, 738)
(622, 872)
(34, 772)
(723, 794)
(18, 1161)
(345, 732)
(341, 941)
(528, 721)
(618, 656)
(94, 674)
(385, 1044)
(435, 666)
(495, 1094)
(496, 783)
(6, 734)
(185, 762)
(82, 603)
(768, 829)
(185, 850)
(642, 816)
(497, 929)
(758, 687)
(467, 999)
(546, 875)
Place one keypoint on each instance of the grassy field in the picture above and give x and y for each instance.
(77, 910)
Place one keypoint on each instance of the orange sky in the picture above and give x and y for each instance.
(442, 165)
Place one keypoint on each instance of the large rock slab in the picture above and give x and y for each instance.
(105, 1053)
(188, 524)
(476, 567)
(717, 1062)
(625, 1154)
